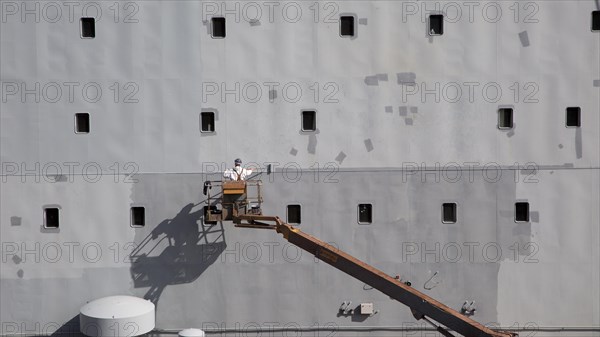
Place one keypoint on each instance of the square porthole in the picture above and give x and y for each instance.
(51, 217)
(88, 28)
(138, 216)
(82, 122)
(347, 26)
(207, 121)
(449, 212)
(522, 212)
(573, 117)
(294, 214)
(309, 120)
(436, 24)
(217, 27)
(505, 118)
(365, 213)
(596, 21)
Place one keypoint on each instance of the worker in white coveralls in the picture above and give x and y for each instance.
(238, 172)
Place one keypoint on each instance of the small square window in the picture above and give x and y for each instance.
(449, 212)
(51, 218)
(294, 214)
(218, 27)
(82, 123)
(138, 216)
(573, 118)
(347, 25)
(436, 24)
(309, 120)
(596, 21)
(88, 28)
(207, 121)
(505, 118)
(365, 213)
(522, 212)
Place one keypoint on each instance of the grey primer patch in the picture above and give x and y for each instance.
(560, 146)
(272, 95)
(578, 143)
(524, 37)
(17, 259)
(363, 21)
(369, 145)
(371, 80)
(534, 216)
(414, 109)
(340, 157)
(512, 131)
(382, 77)
(389, 108)
(312, 144)
(293, 152)
(254, 23)
(61, 178)
(597, 83)
(408, 121)
(528, 172)
(15, 221)
(407, 78)
(20, 273)
(403, 111)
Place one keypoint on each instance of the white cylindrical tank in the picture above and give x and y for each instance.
(191, 333)
(116, 316)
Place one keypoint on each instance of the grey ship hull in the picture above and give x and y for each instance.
(390, 132)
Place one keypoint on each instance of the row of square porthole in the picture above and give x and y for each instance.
(435, 26)
(309, 120)
(365, 213)
(450, 212)
(52, 217)
(572, 117)
(294, 214)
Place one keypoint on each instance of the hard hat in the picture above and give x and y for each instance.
(238, 161)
